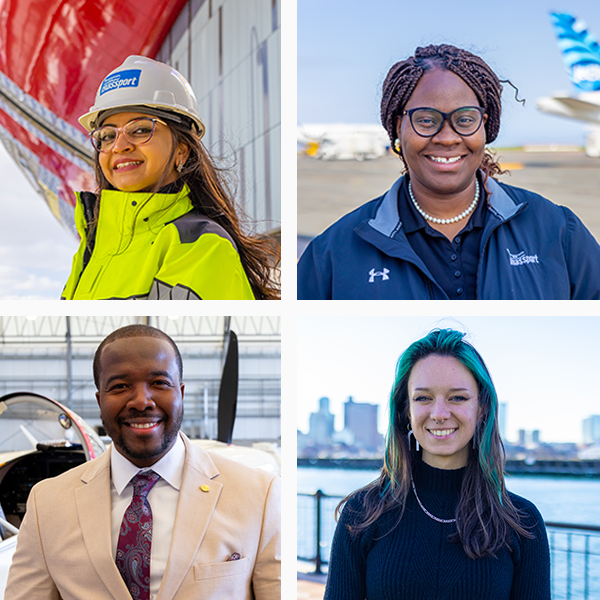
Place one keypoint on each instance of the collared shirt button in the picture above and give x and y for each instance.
(459, 291)
(133, 203)
(457, 273)
(453, 256)
(457, 239)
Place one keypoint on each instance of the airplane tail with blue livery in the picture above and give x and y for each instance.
(581, 56)
(580, 51)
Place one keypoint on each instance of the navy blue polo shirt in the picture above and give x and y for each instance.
(453, 264)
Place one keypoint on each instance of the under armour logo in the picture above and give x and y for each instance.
(383, 274)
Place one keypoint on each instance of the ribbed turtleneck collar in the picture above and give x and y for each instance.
(437, 481)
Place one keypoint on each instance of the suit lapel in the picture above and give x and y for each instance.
(94, 512)
(194, 512)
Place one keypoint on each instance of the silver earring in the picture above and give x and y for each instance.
(410, 432)
(180, 166)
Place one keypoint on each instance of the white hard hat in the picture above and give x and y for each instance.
(142, 82)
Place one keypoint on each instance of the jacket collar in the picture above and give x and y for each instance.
(200, 491)
(387, 219)
(123, 214)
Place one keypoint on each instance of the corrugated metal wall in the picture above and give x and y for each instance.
(34, 357)
(230, 52)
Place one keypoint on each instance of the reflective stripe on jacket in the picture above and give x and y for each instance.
(154, 247)
(531, 249)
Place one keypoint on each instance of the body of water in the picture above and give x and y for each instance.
(563, 499)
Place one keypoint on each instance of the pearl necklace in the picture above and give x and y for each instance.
(425, 510)
(462, 215)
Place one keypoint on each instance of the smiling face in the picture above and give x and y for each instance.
(446, 163)
(441, 388)
(139, 167)
(140, 397)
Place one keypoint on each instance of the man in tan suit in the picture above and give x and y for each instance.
(215, 523)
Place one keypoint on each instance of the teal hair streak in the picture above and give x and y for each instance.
(393, 456)
(471, 359)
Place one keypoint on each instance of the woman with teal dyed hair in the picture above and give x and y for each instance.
(439, 521)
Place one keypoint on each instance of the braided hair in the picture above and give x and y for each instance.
(403, 77)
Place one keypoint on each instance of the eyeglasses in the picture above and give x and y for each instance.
(139, 131)
(427, 122)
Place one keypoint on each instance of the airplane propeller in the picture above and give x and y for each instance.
(228, 391)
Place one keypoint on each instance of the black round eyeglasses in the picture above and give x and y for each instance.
(427, 122)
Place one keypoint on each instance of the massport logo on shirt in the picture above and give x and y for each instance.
(122, 79)
(516, 260)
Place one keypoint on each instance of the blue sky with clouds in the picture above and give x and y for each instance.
(346, 47)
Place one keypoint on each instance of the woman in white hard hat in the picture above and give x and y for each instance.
(162, 225)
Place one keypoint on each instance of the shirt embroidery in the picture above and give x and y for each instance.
(521, 258)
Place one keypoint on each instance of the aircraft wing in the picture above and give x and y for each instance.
(53, 56)
(569, 106)
(578, 105)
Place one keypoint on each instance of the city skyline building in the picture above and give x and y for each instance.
(359, 434)
(591, 429)
(361, 419)
(321, 424)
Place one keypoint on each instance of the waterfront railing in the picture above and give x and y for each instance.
(574, 549)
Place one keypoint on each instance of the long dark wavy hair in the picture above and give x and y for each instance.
(485, 515)
(403, 77)
(209, 193)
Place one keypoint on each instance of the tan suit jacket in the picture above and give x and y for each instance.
(64, 545)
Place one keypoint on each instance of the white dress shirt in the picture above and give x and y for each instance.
(163, 498)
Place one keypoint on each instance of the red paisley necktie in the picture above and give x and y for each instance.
(135, 538)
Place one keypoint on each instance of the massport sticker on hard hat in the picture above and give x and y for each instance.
(119, 80)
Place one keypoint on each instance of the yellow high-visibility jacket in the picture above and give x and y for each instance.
(153, 247)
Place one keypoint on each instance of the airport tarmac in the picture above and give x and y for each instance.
(327, 190)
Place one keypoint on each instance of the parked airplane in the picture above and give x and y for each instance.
(581, 56)
(344, 141)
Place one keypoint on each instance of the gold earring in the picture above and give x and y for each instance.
(397, 145)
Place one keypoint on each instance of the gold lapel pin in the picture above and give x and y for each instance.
(205, 488)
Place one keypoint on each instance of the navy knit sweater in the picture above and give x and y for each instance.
(417, 561)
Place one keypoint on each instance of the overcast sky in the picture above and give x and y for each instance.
(544, 368)
(346, 47)
(35, 250)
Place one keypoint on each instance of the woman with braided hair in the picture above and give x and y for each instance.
(447, 229)
(439, 521)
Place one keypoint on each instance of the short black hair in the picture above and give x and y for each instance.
(129, 331)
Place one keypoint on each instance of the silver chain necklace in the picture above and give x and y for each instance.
(424, 509)
(459, 217)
